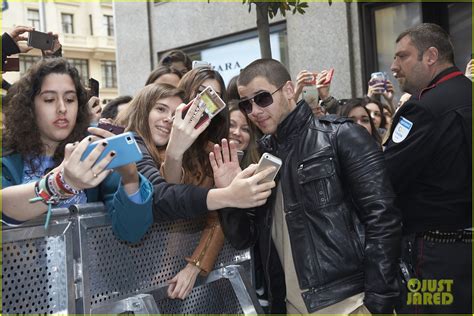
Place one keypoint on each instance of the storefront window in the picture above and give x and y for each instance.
(232, 54)
(389, 23)
(460, 29)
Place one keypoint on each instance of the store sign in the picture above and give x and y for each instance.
(229, 59)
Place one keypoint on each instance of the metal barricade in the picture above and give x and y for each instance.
(85, 269)
(37, 270)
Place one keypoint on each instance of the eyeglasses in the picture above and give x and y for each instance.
(262, 99)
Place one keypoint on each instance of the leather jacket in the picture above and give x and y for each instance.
(338, 201)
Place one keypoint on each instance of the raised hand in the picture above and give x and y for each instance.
(17, 35)
(224, 163)
(323, 88)
(183, 133)
(303, 79)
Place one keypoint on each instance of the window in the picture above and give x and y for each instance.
(109, 24)
(109, 74)
(228, 55)
(68, 23)
(26, 62)
(382, 23)
(33, 18)
(82, 66)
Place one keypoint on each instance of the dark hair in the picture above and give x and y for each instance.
(383, 121)
(232, 91)
(160, 71)
(252, 154)
(388, 108)
(219, 128)
(361, 103)
(21, 133)
(175, 56)
(426, 35)
(272, 70)
(111, 109)
(139, 110)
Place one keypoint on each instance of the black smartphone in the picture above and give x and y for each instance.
(115, 129)
(41, 40)
(94, 86)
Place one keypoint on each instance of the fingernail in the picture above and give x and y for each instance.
(112, 153)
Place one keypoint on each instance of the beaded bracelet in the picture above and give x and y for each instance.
(64, 184)
(42, 194)
(50, 190)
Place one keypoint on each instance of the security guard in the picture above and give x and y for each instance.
(429, 158)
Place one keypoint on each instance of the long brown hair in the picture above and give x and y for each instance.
(196, 158)
(251, 153)
(21, 133)
(138, 111)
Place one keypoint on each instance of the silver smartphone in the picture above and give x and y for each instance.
(266, 161)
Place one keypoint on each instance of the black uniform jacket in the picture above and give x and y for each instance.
(338, 203)
(430, 168)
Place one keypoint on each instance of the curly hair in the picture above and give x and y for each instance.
(196, 156)
(21, 134)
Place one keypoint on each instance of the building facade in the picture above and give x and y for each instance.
(86, 31)
(354, 38)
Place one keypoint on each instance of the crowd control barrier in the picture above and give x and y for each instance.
(78, 266)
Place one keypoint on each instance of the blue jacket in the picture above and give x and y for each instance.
(130, 221)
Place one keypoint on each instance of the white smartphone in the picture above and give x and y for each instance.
(266, 161)
(213, 103)
(201, 64)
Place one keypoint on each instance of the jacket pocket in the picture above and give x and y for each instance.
(318, 179)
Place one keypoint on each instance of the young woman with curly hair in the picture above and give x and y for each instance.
(46, 125)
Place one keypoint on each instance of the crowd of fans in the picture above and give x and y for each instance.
(188, 170)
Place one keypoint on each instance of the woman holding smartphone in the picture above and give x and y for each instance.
(46, 120)
(175, 160)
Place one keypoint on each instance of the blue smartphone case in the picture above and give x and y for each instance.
(125, 147)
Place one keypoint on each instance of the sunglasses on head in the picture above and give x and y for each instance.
(262, 99)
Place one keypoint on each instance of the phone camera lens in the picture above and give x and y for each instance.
(129, 139)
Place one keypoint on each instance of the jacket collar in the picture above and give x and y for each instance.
(444, 75)
(288, 129)
(293, 123)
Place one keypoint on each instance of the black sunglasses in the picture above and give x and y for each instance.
(262, 99)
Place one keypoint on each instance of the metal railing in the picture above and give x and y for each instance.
(78, 266)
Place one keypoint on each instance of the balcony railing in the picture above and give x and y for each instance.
(91, 42)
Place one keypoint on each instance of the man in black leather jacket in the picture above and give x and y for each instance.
(330, 232)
